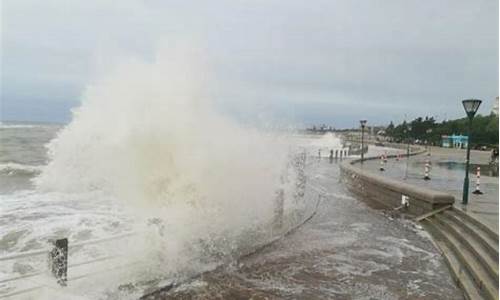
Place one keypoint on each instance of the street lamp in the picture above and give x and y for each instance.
(363, 124)
(408, 141)
(407, 149)
(429, 144)
(470, 106)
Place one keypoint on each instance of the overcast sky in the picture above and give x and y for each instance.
(307, 62)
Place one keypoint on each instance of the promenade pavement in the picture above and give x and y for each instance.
(447, 174)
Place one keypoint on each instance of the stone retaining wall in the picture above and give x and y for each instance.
(389, 192)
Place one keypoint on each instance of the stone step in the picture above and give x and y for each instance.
(487, 242)
(493, 235)
(471, 242)
(487, 287)
(461, 276)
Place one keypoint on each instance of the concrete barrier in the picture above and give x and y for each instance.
(390, 192)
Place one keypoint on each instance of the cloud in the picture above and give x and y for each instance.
(309, 62)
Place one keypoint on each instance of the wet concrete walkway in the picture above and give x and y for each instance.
(447, 174)
(349, 250)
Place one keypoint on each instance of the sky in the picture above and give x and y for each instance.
(299, 62)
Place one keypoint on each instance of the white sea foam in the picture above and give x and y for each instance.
(326, 143)
(11, 167)
(148, 136)
(16, 126)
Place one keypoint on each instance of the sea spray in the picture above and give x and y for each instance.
(148, 135)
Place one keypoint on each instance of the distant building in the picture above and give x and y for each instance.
(321, 129)
(494, 109)
(454, 141)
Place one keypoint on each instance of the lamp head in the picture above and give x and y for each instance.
(363, 123)
(471, 106)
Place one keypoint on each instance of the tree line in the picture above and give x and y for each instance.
(422, 130)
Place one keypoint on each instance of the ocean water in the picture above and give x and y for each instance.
(23, 153)
(347, 249)
(30, 218)
(165, 236)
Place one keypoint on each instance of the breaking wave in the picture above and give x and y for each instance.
(198, 183)
(16, 126)
(15, 168)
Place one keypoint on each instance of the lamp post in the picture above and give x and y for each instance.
(408, 141)
(429, 144)
(407, 132)
(363, 124)
(470, 106)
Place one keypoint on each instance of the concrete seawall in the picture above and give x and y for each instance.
(389, 192)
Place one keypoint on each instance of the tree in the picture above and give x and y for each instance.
(484, 130)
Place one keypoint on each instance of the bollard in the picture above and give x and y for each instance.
(331, 154)
(340, 152)
(397, 157)
(426, 172)
(405, 201)
(336, 153)
(382, 163)
(319, 153)
(385, 157)
(58, 260)
(478, 176)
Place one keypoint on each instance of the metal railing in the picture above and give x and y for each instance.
(58, 262)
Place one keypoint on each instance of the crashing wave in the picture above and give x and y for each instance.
(15, 168)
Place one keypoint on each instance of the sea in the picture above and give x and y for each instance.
(170, 228)
(198, 223)
(23, 153)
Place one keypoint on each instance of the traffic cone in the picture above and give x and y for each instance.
(426, 173)
(478, 176)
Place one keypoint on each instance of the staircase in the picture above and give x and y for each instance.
(470, 249)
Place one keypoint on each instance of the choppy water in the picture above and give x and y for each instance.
(348, 250)
(191, 240)
(30, 218)
(22, 153)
